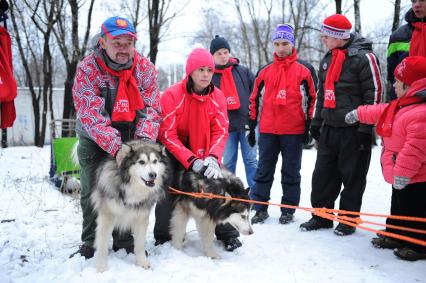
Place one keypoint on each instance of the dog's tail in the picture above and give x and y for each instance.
(74, 155)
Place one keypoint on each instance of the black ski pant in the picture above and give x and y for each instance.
(340, 160)
(410, 201)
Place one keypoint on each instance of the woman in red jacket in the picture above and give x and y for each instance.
(194, 130)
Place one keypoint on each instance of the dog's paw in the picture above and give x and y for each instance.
(177, 244)
(144, 263)
(101, 267)
(212, 254)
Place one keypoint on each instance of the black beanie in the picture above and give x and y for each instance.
(218, 43)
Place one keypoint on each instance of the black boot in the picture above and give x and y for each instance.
(316, 223)
(259, 217)
(231, 244)
(409, 254)
(344, 230)
(386, 243)
(84, 250)
(286, 218)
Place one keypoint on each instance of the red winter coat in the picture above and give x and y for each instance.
(8, 88)
(94, 92)
(404, 152)
(300, 99)
(174, 130)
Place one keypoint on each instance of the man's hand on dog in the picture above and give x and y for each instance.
(209, 167)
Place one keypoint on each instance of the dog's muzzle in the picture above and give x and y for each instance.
(151, 181)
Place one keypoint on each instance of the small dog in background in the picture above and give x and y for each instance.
(124, 196)
(206, 212)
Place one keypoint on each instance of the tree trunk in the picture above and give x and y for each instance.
(3, 138)
(357, 16)
(72, 57)
(396, 12)
(69, 110)
(338, 6)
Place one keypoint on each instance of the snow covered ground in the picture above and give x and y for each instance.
(46, 225)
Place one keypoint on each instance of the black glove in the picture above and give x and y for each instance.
(365, 140)
(306, 135)
(315, 131)
(251, 138)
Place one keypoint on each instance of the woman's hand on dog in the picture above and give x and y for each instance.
(213, 169)
(208, 167)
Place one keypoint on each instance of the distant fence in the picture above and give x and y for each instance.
(22, 132)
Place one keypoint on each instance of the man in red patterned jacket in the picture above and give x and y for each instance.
(117, 99)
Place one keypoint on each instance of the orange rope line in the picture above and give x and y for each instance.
(329, 214)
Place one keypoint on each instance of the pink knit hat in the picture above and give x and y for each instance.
(199, 57)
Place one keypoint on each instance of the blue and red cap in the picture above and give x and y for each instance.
(116, 26)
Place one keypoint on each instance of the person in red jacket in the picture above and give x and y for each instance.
(402, 126)
(282, 102)
(194, 131)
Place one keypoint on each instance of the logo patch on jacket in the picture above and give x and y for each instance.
(121, 106)
(324, 66)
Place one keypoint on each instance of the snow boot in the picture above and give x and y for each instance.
(409, 254)
(259, 217)
(286, 218)
(84, 250)
(344, 230)
(316, 223)
(386, 243)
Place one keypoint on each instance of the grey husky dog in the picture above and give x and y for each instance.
(125, 194)
(208, 212)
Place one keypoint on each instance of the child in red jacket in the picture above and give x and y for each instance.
(402, 126)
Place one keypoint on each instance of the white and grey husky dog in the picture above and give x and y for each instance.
(208, 212)
(124, 196)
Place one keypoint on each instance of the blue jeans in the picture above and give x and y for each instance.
(270, 145)
(230, 155)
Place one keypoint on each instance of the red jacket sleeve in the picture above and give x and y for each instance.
(89, 107)
(255, 97)
(370, 114)
(312, 94)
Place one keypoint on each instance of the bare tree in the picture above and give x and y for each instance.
(256, 27)
(158, 19)
(71, 47)
(357, 13)
(43, 15)
(338, 6)
(396, 12)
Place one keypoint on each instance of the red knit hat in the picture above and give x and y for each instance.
(337, 26)
(411, 69)
(199, 57)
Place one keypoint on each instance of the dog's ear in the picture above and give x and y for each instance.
(126, 148)
(164, 151)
